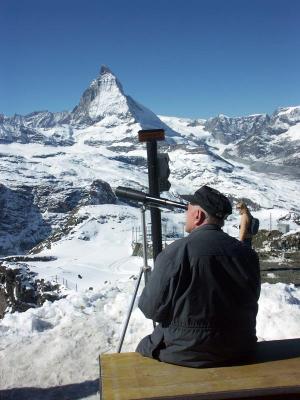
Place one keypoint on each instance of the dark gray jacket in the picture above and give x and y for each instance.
(203, 291)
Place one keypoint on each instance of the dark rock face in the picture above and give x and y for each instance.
(292, 216)
(41, 119)
(279, 256)
(72, 220)
(261, 147)
(99, 192)
(57, 198)
(19, 290)
(62, 199)
(228, 130)
(131, 160)
(276, 241)
(257, 137)
(29, 128)
(21, 222)
(28, 215)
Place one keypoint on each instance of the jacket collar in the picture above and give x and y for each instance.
(207, 227)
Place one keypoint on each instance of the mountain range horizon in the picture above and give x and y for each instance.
(52, 163)
(258, 137)
(104, 69)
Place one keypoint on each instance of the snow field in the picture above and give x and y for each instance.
(59, 343)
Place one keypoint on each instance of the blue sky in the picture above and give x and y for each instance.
(190, 58)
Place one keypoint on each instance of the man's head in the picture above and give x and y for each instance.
(207, 206)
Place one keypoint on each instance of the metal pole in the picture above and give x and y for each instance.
(130, 310)
(144, 269)
(154, 191)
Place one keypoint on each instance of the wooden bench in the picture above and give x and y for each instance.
(273, 374)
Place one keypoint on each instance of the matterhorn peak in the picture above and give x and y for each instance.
(105, 70)
(107, 80)
(106, 101)
(104, 97)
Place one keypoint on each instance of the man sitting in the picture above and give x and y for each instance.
(203, 291)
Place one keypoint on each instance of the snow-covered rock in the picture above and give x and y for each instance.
(29, 214)
(229, 130)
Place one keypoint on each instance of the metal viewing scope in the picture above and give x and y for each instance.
(144, 198)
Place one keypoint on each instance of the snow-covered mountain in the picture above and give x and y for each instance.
(117, 117)
(103, 104)
(50, 162)
(105, 100)
(271, 139)
(58, 172)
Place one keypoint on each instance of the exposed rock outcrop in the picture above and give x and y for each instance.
(19, 290)
(28, 215)
(229, 129)
(279, 256)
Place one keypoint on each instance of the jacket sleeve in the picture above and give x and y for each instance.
(156, 299)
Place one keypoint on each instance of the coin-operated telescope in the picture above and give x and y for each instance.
(147, 201)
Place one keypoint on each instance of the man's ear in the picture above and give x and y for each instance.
(199, 217)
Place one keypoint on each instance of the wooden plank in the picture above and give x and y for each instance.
(128, 376)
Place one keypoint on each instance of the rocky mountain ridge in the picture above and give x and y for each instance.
(52, 162)
(261, 137)
(29, 214)
(253, 137)
(103, 101)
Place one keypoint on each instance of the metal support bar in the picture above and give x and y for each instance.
(144, 269)
(130, 310)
